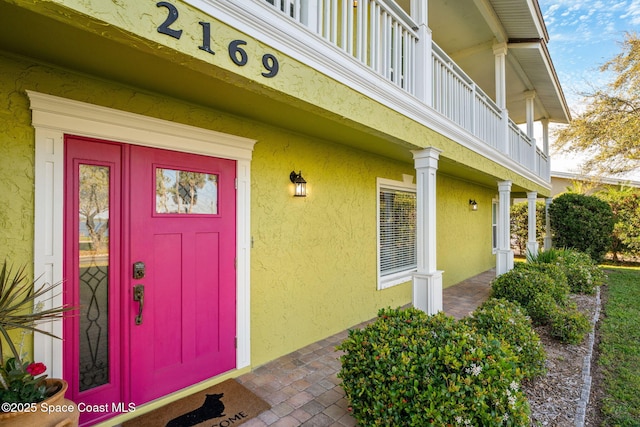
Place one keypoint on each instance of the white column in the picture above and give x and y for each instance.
(500, 54)
(545, 136)
(424, 62)
(547, 237)
(532, 242)
(504, 254)
(545, 149)
(530, 97)
(427, 281)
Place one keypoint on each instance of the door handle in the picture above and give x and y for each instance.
(138, 295)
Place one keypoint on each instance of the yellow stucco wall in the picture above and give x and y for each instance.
(464, 236)
(313, 267)
(312, 258)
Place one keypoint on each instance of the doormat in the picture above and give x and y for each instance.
(227, 404)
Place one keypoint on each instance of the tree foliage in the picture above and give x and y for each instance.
(520, 225)
(625, 204)
(608, 130)
(581, 222)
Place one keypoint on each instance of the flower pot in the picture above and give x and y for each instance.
(54, 411)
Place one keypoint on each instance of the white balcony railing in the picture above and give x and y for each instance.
(380, 35)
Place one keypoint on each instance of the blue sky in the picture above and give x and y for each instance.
(584, 34)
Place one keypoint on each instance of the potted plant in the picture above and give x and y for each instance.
(27, 396)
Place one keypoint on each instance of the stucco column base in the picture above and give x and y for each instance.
(533, 248)
(547, 243)
(427, 292)
(504, 261)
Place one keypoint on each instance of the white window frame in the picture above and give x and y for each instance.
(389, 280)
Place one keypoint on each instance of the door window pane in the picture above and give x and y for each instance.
(184, 192)
(94, 275)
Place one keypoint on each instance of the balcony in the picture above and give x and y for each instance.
(381, 36)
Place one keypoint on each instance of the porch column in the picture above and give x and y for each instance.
(504, 254)
(545, 136)
(500, 54)
(427, 281)
(548, 243)
(532, 243)
(530, 97)
(423, 65)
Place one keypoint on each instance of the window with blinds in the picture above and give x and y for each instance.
(397, 233)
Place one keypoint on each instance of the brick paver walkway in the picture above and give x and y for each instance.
(302, 387)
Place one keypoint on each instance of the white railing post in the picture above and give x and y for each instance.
(504, 141)
(309, 15)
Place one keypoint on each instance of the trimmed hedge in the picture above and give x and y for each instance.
(544, 294)
(582, 222)
(583, 274)
(506, 320)
(411, 369)
(531, 287)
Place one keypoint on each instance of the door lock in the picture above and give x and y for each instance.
(138, 270)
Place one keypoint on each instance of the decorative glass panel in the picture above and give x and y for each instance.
(184, 192)
(94, 275)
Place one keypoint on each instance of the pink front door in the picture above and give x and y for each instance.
(150, 259)
(183, 231)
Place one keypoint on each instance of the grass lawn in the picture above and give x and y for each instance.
(620, 348)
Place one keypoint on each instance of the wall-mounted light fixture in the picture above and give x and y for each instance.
(473, 205)
(299, 183)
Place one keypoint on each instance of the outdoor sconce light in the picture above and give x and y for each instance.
(300, 184)
(473, 205)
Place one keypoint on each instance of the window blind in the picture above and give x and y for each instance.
(397, 231)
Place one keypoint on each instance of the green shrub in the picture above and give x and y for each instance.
(569, 326)
(559, 287)
(582, 222)
(541, 308)
(507, 321)
(534, 289)
(582, 274)
(411, 369)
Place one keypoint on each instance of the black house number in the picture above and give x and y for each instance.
(237, 53)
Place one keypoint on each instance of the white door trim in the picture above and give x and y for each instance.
(52, 118)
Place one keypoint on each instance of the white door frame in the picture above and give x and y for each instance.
(52, 118)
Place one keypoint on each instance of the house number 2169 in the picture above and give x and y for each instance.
(237, 54)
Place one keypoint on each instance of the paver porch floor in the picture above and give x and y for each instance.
(302, 387)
